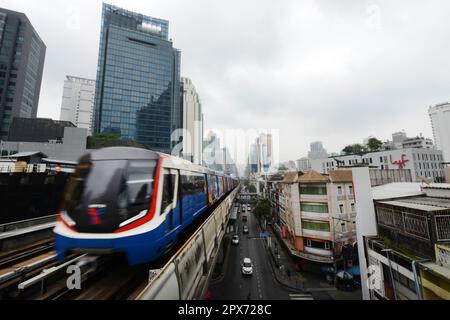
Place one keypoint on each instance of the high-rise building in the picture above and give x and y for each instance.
(137, 94)
(22, 54)
(398, 138)
(440, 123)
(303, 164)
(192, 122)
(317, 151)
(213, 152)
(78, 101)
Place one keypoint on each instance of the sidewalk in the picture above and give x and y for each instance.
(285, 270)
(302, 281)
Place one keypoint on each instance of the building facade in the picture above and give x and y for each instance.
(78, 102)
(137, 94)
(315, 214)
(37, 130)
(303, 164)
(317, 151)
(22, 57)
(192, 122)
(410, 254)
(440, 123)
(423, 162)
(70, 147)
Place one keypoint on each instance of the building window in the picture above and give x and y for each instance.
(308, 242)
(350, 189)
(314, 207)
(339, 188)
(315, 190)
(316, 225)
(341, 208)
(343, 227)
(327, 245)
(353, 207)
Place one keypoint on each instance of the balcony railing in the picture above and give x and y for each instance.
(319, 251)
(315, 215)
(313, 197)
(317, 234)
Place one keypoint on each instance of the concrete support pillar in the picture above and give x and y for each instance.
(365, 219)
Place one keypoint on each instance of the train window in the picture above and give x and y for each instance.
(168, 188)
(192, 183)
(140, 184)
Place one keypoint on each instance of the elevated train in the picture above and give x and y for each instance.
(134, 201)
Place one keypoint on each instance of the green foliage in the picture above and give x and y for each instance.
(354, 149)
(262, 208)
(374, 144)
(251, 188)
(105, 136)
(104, 140)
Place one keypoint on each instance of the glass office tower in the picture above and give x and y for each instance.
(137, 93)
(22, 54)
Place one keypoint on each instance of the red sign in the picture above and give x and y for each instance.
(401, 163)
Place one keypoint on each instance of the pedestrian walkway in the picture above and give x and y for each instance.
(288, 273)
(285, 269)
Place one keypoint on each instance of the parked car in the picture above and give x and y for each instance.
(245, 229)
(244, 218)
(247, 267)
(235, 239)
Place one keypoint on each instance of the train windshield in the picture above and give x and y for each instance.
(102, 194)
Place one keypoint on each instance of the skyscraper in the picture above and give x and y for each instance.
(317, 151)
(192, 122)
(137, 93)
(22, 54)
(78, 101)
(440, 123)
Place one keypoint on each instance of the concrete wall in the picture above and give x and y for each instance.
(73, 146)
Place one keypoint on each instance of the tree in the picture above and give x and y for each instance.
(354, 149)
(374, 144)
(262, 209)
(107, 136)
(251, 188)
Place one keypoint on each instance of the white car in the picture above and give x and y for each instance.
(235, 239)
(247, 267)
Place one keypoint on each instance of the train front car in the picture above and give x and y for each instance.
(109, 205)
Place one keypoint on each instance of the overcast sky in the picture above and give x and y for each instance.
(335, 71)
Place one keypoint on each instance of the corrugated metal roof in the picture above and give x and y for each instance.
(26, 154)
(436, 186)
(396, 190)
(413, 205)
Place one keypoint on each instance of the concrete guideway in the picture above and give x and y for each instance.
(186, 275)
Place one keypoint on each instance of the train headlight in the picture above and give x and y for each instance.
(67, 219)
(137, 217)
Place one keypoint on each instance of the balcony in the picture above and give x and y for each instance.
(313, 197)
(345, 235)
(319, 252)
(315, 215)
(317, 234)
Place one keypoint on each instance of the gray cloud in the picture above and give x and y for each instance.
(335, 71)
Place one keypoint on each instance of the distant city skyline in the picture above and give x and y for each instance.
(357, 69)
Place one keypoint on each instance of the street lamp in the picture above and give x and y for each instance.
(390, 271)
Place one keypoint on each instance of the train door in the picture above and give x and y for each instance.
(170, 197)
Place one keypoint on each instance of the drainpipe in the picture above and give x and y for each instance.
(416, 278)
